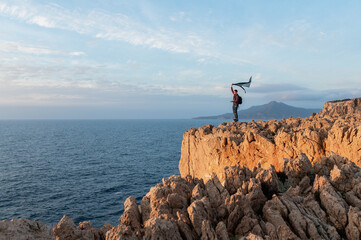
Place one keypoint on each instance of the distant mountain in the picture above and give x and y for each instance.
(271, 110)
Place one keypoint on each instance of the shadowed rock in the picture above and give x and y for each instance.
(312, 208)
(25, 229)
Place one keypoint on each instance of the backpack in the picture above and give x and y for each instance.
(239, 100)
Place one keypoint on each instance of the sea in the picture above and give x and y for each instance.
(84, 168)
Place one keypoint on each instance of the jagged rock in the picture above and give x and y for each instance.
(297, 169)
(254, 194)
(335, 206)
(179, 185)
(210, 149)
(252, 236)
(198, 192)
(157, 228)
(269, 179)
(199, 211)
(341, 108)
(274, 212)
(121, 232)
(25, 229)
(234, 217)
(320, 205)
(248, 225)
(130, 223)
(185, 230)
(221, 231)
(353, 229)
(217, 195)
(131, 216)
(67, 230)
(352, 199)
(235, 176)
(145, 208)
(176, 201)
(208, 233)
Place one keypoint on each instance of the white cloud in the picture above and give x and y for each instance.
(76, 53)
(9, 46)
(42, 21)
(117, 27)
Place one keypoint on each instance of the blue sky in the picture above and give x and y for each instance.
(173, 59)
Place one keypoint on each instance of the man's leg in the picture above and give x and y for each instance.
(235, 107)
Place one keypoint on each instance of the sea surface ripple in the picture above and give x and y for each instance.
(84, 168)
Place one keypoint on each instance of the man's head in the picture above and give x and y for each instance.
(235, 91)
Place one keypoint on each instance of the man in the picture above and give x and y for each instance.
(236, 101)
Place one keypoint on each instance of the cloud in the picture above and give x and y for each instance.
(42, 21)
(267, 88)
(325, 95)
(106, 26)
(308, 96)
(9, 46)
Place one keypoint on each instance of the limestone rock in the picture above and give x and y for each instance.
(157, 228)
(199, 211)
(121, 232)
(221, 231)
(210, 149)
(353, 229)
(332, 201)
(297, 169)
(67, 230)
(25, 229)
(269, 179)
(208, 233)
(322, 203)
(131, 216)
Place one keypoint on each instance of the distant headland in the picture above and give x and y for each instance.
(271, 110)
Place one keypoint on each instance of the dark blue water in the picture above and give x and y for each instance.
(84, 168)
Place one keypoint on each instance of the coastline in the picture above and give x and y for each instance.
(300, 198)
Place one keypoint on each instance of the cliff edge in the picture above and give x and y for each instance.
(336, 129)
(303, 196)
(303, 202)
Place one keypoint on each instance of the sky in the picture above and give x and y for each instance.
(126, 59)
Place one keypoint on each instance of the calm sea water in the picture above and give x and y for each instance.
(84, 168)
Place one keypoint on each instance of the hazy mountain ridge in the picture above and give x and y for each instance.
(271, 110)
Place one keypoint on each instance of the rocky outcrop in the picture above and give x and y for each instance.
(303, 201)
(25, 229)
(242, 187)
(67, 230)
(300, 202)
(336, 129)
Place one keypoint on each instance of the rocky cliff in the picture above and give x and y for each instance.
(255, 193)
(336, 129)
(301, 202)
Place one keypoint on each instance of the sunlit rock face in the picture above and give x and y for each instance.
(336, 129)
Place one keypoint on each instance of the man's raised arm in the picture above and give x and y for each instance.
(232, 88)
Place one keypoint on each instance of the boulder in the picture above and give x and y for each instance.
(67, 230)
